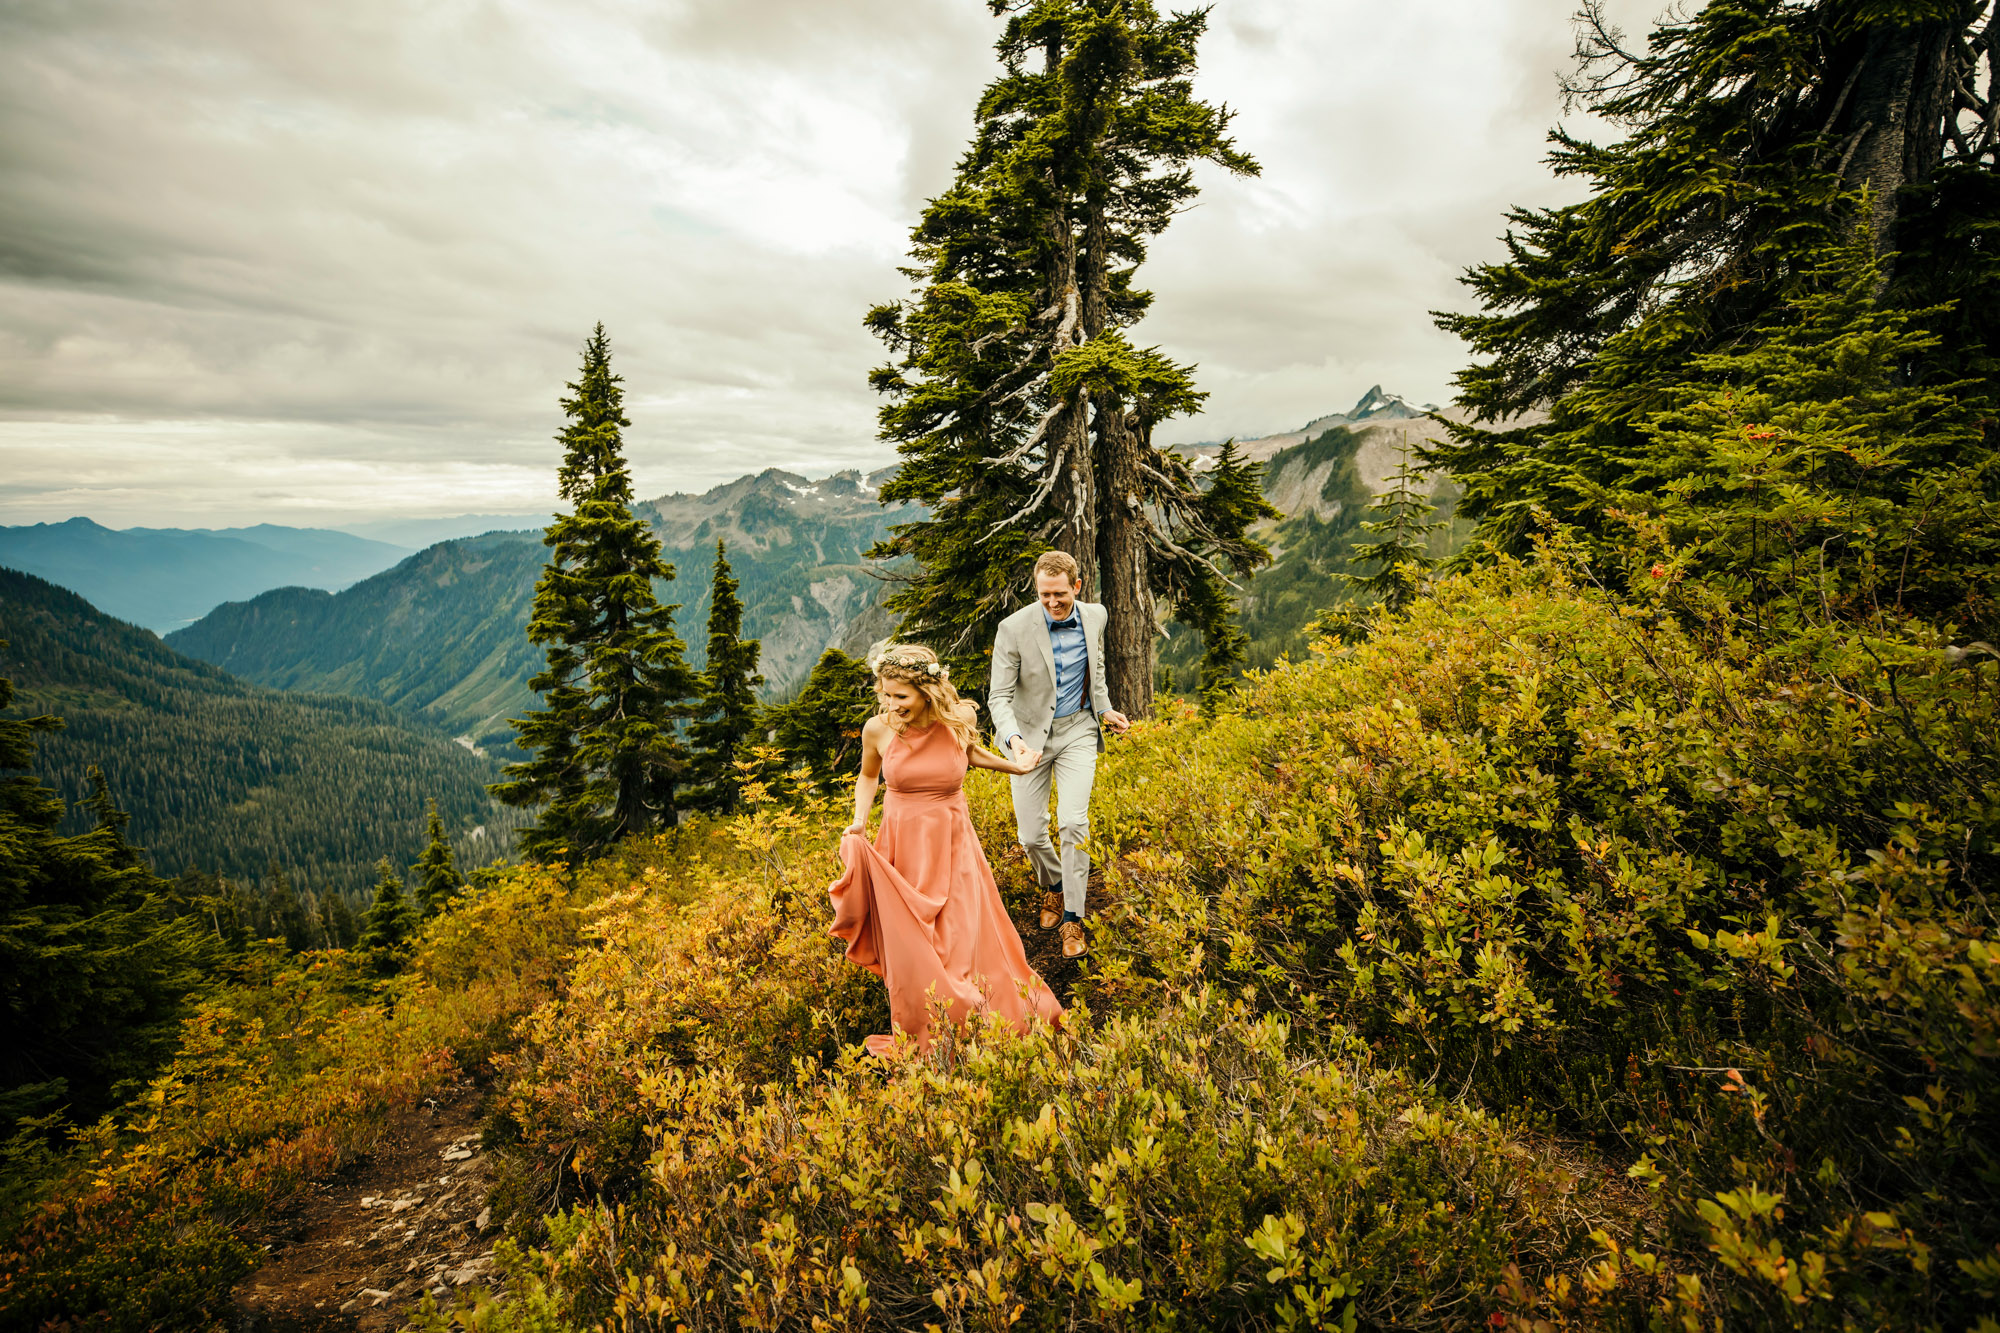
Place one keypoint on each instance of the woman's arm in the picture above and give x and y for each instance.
(980, 757)
(870, 776)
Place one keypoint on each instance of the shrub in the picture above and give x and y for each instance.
(287, 1075)
(1197, 1167)
(1715, 903)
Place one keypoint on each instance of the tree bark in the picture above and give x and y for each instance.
(1125, 582)
(1075, 492)
(1894, 122)
(1130, 630)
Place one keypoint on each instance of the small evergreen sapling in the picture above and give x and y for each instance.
(435, 876)
(730, 721)
(821, 729)
(391, 919)
(1401, 549)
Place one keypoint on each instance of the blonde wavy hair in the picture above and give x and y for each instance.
(917, 666)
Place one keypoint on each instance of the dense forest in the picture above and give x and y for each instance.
(227, 778)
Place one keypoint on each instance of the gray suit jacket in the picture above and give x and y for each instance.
(1021, 692)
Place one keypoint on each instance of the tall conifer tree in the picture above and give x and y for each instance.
(1760, 137)
(435, 876)
(730, 718)
(608, 759)
(1023, 414)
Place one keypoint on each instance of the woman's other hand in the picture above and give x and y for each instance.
(857, 829)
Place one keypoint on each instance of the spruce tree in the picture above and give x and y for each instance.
(435, 876)
(607, 757)
(729, 721)
(1023, 414)
(95, 973)
(1232, 501)
(821, 729)
(1759, 137)
(391, 920)
(1401, 526)
(1805, 478)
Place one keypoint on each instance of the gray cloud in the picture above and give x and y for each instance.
(315, 262)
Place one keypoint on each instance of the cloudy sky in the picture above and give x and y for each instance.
(310, 263)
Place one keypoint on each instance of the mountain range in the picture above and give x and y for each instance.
(164, 578)
(443, 634)
(224, 776)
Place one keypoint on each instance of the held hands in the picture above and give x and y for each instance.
(1023, 756)
(1115, 720)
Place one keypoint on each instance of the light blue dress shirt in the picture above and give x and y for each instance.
(1072, 653)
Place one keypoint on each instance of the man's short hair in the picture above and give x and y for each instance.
(1059, 562)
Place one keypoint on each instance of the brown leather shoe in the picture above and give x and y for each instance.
(1074, 943)
(1051, 908)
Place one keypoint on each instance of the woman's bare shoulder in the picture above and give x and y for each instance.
(875, 728)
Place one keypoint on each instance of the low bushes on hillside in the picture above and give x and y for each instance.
(149, 1221)
(1720, 905)
(1197, 1166)
(694, 1103)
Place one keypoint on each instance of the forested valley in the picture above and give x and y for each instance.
(1548, 885)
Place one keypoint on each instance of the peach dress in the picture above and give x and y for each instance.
(918, 907)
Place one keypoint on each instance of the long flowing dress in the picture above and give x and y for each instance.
(918, 907)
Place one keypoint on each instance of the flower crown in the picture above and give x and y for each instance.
(891, 658)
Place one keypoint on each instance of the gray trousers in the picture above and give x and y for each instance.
(1069, 761)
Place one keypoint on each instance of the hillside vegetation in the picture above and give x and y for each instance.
(1549, 956)
(224, 777)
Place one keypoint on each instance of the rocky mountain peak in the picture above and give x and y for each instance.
(1376, 405)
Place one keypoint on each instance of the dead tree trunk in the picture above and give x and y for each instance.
(1075, 489)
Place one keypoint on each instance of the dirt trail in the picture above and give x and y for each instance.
(1024, 904)
(358, 1250)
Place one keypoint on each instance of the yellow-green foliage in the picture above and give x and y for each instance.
(1549, 960)
(279, 1081)
(696, 1098)
(1195, 1167)
(1721, 907)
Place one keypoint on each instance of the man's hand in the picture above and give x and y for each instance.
(1019, 749)
(1116, 720)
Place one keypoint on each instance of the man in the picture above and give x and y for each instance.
(1048, 702)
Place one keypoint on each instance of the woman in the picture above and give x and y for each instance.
(918, 907)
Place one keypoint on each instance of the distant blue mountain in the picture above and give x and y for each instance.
(417, 533)
(164, 578)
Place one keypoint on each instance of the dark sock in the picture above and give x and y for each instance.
(1071, 916)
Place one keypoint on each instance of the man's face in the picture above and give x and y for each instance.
(1057, 594)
